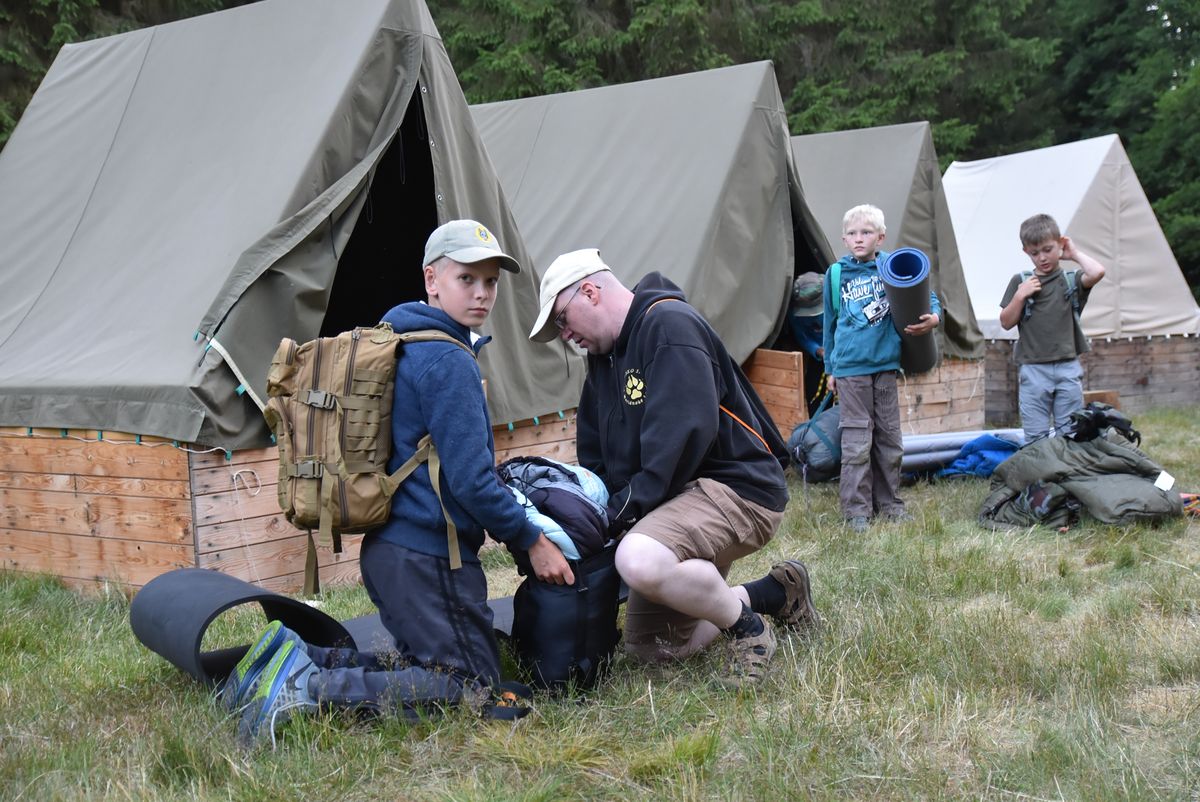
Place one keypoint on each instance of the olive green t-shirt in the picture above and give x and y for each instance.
(1051, 333)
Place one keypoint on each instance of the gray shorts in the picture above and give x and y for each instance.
(1050, 392)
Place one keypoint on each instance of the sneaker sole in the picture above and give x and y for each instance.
(251, 665)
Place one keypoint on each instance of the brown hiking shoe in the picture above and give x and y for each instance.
(798, 610)
(751, 655)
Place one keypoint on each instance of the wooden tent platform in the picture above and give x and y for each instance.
(97, 508)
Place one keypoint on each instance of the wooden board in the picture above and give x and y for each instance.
(66, 455)
(93, 559)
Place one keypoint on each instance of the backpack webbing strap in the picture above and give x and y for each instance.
(312, 579)
(825, 441)
(835, 286)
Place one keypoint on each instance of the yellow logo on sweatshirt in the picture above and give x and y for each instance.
(635, 388)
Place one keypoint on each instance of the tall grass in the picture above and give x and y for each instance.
(955, 663)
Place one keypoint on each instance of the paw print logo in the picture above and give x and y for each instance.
(635, 388)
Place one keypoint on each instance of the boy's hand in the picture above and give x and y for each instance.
(831, 384)
(1068, 249)
(549, 564)
(927, 323)
(1029, 287)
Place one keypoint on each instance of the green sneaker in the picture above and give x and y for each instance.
(281, 688)
(241, 680)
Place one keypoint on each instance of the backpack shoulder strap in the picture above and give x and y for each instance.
(1072, 277)
(431, 335)
(835, 286)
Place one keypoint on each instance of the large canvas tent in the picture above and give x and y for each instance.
(177, 199)
(894, 167)
(1090, 188)
(690, 175)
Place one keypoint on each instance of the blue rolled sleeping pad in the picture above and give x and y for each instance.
(905, 275)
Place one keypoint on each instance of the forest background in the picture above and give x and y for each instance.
(992, 76)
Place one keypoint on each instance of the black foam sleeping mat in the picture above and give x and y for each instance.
(171, 613)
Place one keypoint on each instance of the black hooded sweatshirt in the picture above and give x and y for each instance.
(669, 405)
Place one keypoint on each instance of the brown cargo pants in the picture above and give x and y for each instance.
(872, 445)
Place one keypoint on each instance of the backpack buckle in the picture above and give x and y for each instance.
(309, 469)
(319, 398)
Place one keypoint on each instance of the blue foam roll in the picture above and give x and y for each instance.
(905, 267)
(905, 275)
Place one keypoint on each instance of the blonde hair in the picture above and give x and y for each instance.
(866, 213)
(1038, 229)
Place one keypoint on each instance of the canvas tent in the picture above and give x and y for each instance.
(895, 168)
(1090, 188)
(689, 175)
(177, 199)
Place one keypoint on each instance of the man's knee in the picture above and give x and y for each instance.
(643, 562)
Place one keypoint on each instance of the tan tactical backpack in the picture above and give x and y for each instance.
(330, 409)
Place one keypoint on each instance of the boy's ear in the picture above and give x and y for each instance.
(430, 281)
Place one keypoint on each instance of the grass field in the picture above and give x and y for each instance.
(955, 663)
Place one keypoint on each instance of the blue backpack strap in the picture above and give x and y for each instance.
(835, 286)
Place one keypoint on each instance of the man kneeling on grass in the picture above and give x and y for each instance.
(692, 460)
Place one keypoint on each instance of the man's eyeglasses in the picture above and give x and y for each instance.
(560, 320)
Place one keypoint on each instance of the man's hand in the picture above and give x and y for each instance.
(549, 564)
(926, 323)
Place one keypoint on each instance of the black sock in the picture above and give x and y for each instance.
(767, 595)
(748, 624)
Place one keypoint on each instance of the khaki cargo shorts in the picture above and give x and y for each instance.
(706, 521)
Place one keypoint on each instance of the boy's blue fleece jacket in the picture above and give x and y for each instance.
(439, 392)
(854, 344)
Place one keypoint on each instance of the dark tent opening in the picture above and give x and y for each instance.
(380, 266)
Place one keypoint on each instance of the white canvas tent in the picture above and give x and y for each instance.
(1090, 188)
(690, 175)
(894, 167)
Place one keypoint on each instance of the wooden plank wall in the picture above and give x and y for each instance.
(778, 377)
(241, 531)
(551, 436)
(949, 398)
(1145, 372)
(93, 511)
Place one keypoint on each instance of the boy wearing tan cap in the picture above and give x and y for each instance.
(437, 614)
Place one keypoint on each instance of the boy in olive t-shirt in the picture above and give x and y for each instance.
(1045, 308)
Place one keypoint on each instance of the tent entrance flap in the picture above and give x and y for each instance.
(380, 266)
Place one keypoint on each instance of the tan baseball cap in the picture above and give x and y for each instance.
(562, 273)
(466, 242)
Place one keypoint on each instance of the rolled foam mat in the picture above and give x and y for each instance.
(171, 613)
(905, 274)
